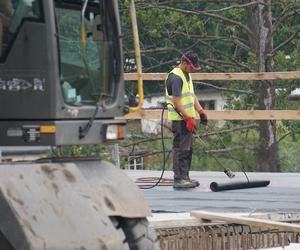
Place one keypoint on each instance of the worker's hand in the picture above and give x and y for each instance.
(203, 117)
(190, 124)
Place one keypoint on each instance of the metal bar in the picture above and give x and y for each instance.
(226, 237)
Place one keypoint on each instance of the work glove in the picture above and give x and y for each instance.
(203, 117)
(190, 124)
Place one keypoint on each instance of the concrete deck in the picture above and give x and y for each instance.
(281, 196)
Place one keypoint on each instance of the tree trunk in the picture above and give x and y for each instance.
(259, 19)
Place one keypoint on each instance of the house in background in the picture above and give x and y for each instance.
(210, 99)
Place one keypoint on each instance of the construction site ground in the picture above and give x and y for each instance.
(177, 229)
(281, 196)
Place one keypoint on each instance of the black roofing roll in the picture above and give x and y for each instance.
(216, 187)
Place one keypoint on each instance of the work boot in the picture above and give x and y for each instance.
(183, 184)
(197, 183)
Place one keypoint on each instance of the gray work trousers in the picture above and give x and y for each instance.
(182, 150)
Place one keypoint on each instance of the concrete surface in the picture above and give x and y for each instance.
(281, 196)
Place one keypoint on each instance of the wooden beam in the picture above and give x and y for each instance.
(254, 222)
(221, 76)
(224, 115)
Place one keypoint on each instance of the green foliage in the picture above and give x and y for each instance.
(78, 151)
(201, 159)
(151, 147)
(251, 59)
(289, 144)
(236, 14)
(210, 156)
(208, 148)
(289, 157)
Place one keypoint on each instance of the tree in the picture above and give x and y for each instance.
(229, 36)
(259, 21)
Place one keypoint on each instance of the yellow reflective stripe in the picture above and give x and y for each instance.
(169, 98)
(186, 100)
(189, 105)
(186, 106)
(187, 94)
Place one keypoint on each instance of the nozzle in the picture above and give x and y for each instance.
(229, 173)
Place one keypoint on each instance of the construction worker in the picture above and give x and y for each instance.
(6, 11)
(182, 108)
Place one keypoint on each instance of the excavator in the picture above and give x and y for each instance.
(61, 83)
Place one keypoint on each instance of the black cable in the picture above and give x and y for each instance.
(163, 149)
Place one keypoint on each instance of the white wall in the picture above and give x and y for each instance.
(152, 126)
(212, 95)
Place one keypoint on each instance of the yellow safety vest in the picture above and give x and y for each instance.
(187, 97)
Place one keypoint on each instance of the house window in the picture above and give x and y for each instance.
(211, 105)
(135, 162)
(208, 104)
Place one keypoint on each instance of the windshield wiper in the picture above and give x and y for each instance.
(83, 131)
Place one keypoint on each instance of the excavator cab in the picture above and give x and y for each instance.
(60, 72)
(61, 83)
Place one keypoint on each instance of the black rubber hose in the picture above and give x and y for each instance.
(164, 152)
(216, 187)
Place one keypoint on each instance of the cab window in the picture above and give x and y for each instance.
(12, 14)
